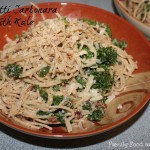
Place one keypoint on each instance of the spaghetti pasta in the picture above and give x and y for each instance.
(62, 71)
(140, 9)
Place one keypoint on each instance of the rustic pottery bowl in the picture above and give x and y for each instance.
(137, 92)
(141, 26)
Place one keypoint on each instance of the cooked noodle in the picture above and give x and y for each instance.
(47, 75)
(140, 9)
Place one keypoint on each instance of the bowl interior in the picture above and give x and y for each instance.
(132, 100)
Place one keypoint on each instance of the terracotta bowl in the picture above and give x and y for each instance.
(138, 24)
(132, 100)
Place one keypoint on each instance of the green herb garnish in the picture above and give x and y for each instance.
(44, 71)
(87, 106)
(1, 78)
(57, 99)
(70, 105)
(65, 81)
(36, 87)
(121, 44)
(13, 70)
(148, 7)
(89, 53)
(104, 99)
(118, 62)
(64, 19)
(108, 30)
(16, 36)
(80, 80)
(42, 92)
(42, 113)
(142, 16)
(104, 81)
(56, 88)
(89, 21)
(78, 45)
(60, 114)
(45, 23)
(96, 115)
(87, 49)
(107, 55)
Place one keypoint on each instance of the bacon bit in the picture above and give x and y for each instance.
(78, 115)
(32, 88)
(69, 55)
(100, 103)
(16, 78)
(7, 57)
(97, 30)
(19, 116)
(52, 119)
(20, 40)
(60, 45)
(43, 129)
(18, 50)
(26, 37)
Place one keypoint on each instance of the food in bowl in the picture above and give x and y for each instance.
(62, 72)
(140, 9)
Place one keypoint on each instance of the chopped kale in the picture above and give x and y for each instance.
(60, 114)
(56, 88)
(1, 78)
(87, 106)
(121, 44)
(42, 113)
(99, 24)
(118, 62)
(106, 55)
(104, 81)
(64, 19)
(86, 48)
(142, 16)
(57, 99)
(70, 104)
(43, 94)
(65, 81)
(13, 70)
(108, 30)
(148, 7)
(36, 87)
(89, 21)
(78, 45)
(89, 53)
(80, 80)
(45, 23)
(104, 99)
(16, 36)
(44, 71)
(96, 115)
